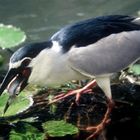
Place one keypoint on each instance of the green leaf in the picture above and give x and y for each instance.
(135, 69)
(21, 103)
(1, 60)
(10, 36)
(59, 128)
(25, 131)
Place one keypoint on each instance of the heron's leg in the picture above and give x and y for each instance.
(77, 92)
(104, 83)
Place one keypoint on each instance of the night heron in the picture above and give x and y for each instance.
(91, 49)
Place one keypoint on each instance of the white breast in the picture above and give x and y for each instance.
(51, 68)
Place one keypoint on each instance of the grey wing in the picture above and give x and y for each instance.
(109, 55)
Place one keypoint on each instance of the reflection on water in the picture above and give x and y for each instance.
(41, 18)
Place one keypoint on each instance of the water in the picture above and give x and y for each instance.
(41, 18)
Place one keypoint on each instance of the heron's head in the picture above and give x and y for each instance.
(20, 70)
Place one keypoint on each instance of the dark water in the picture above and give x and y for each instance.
(41, 18)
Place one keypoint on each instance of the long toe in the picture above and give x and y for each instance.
(77, 92)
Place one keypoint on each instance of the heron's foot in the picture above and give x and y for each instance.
(97, 129)
(77, 92)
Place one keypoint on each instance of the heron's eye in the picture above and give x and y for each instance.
(26, 62)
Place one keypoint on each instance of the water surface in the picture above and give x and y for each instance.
(41, 18)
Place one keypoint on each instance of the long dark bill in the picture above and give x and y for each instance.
(8, 78)
(14, 81)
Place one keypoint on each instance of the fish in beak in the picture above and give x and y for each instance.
(15, 81)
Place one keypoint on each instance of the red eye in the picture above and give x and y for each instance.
(26, 62)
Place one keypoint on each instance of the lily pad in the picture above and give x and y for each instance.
(25, 131)
(10, 36)
(21, 103)
(59, 128)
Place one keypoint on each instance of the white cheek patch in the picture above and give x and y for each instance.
(14, 65)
